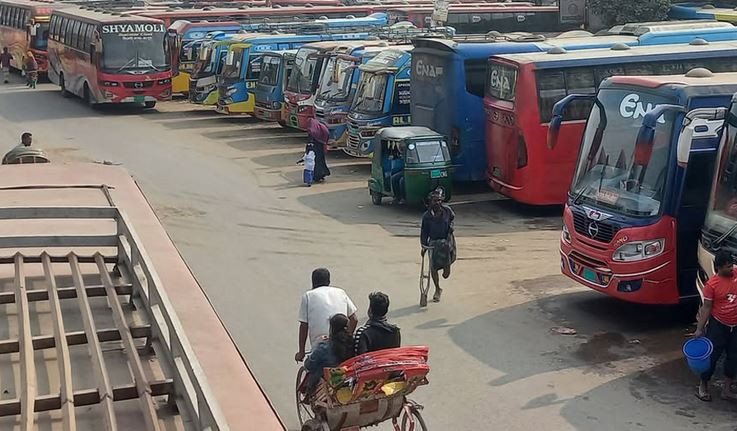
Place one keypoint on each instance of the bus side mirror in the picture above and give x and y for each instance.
(646, 134)
(32, 29)
(700, 122)
(557, 119)
(93, 54)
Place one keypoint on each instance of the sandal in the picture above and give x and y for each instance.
(706, 397)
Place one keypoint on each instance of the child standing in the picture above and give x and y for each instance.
(309, 162)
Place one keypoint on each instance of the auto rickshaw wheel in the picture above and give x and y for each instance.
(376, 198)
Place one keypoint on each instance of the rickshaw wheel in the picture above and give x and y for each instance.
(304, 411)
(376, 198)
(413, 420)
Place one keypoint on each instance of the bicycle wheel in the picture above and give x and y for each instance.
(413, 420)
(304, 411)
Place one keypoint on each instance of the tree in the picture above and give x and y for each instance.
(613, 12)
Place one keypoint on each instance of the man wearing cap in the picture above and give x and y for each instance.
(437, 233)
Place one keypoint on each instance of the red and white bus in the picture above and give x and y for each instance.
(24, 26)
(109, 57)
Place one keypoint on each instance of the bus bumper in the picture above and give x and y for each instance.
(267, 114)
(211, 99)
(180, 83)
(236, 108)
(649, 281)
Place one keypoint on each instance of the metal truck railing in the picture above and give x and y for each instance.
(123, 269)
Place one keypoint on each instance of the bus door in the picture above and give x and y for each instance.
(174, 47)
(693, 202)
(433, 93)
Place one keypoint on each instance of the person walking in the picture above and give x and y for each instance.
(717, 319)
(30, 66)
(319, 135)
(5, 58)
(436, 234)
(308, 159)
(318, 305)
(377, 333)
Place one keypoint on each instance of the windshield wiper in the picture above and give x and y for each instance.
(717, 242)
(579, 195)
(129, 63)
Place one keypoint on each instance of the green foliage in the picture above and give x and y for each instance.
(613, 12)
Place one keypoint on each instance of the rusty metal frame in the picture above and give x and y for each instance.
(186, 386)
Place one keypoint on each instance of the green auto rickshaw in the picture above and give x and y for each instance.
(409, 163)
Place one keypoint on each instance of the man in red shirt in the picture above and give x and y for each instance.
(720, 311)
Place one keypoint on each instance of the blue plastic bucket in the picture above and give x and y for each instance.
(698, 354)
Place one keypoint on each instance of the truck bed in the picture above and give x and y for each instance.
(102, 325)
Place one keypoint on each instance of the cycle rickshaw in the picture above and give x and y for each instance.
(366, 390)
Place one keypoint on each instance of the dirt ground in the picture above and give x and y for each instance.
(228, 191)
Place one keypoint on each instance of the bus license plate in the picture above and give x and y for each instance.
(590, 275)
(438, 173)
(139, 99)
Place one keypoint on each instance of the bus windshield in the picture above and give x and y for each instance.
(371, 93)
(722, 214)
(613, 170)
(233, 59)
(40, 41)
(335, 83)
(302, 75)
(134, 51)
(269, 69)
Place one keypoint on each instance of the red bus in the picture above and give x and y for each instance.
(109, 57)
(24, 26)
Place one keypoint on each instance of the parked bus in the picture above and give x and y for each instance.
(337, 87)
(720, 223)
(238, 79)
(521, 91)
(702, 11)
(203, 79)
(24, 26)
(182, 38)
(481, 18)
(108, 57)
(382, 99)
(302, 85)
(276, 67)
(257, 14)
(634, 211)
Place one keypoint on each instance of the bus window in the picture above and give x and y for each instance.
(669, 68)
(579, 81)
(254, 67)
(75, 34)
(475, 71)
(698, 179)
(63, 30)
(551, 87)
(502, 81)
(639, 69)
(720, 65)
(604, 72)
(90, 38)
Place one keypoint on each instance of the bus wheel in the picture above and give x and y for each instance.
(150, 104)
(88, 96)
(64, 92)
(376, 198)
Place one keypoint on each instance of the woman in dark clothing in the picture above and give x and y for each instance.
(330, 353)
(319, 135)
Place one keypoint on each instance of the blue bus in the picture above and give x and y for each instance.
(276, 67)
(724, 13)
(642, 184)
(337, 86)
(237, 78)
(382, 99)
(320, 25)
(448, 78)
(210, 61)
(184, 39)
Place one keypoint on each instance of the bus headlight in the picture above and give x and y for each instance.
(164, 81)
(301, 109)
(276, 105)
(110, 84)
(639, 250)
(231, 91)
(566, 234)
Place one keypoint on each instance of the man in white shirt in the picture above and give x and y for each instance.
(317, 307)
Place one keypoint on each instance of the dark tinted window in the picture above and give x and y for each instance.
(475, 71)
(697, 185)
(501, 82)
(551, 87)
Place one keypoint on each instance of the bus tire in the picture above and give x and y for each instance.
(376, 198)
(63, 87)
(150, 104)
(88, 97)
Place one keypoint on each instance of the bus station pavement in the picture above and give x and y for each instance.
(502, 349)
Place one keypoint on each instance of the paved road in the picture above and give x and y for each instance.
(228, 192)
